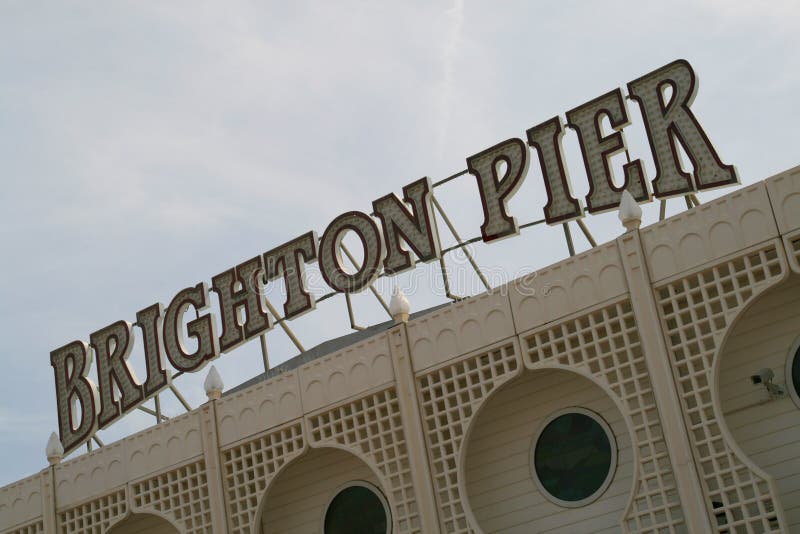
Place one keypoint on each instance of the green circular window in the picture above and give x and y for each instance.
(574, 457)
(357, 509)
(793, 373)
(796, 373)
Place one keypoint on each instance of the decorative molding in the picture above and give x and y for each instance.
(567, 287)
(21, 502)
(459, 328)
(259, 407)
(708, 232)
(784, 192)
(152, 450)
(346, 373)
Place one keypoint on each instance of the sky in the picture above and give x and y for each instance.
(146, 147)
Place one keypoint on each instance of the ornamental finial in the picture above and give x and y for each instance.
(213, 384)
(399, 307)
(54, 449)
(630, 213)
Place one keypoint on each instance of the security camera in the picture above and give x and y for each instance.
(765, 376)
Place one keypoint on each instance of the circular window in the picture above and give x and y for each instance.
(358, 508)
(793, 373)
(574, 457)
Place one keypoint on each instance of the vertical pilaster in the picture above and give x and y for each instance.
(412, 425)
(666, 395)
(49, 500)
(216, 487)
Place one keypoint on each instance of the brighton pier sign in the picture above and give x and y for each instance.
(397, 228)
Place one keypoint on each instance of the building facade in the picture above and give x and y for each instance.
(649, 384)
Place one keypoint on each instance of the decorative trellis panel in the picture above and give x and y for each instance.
(792, 243)
(605, 342)
(37, 527)
(696, 311)
(95, 516)
(372, 426)
(449, 397)
(181, 493)
(250, 467)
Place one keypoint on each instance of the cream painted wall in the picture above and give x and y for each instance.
(767, 431)
(297, 499)
(143, 524)
(500, 488)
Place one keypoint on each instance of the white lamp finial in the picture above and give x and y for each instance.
(399, 306)
(630, 213)
(54, 449)
(213, 384)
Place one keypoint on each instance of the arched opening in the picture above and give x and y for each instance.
(319, 488)
(581, 486)
(754, 389)
(143, 523)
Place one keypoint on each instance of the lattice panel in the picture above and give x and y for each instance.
(696, 310)
(250, 467)
(449, 397)
(606, 343)
(795, 250)
(181, 493)
(37, 527)
(796, 247)
(373, 426)
(95, 516)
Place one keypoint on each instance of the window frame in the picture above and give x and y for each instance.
(612, 468)
(363, 484)
(791, 387)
